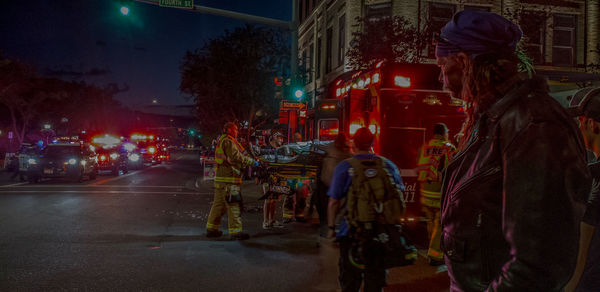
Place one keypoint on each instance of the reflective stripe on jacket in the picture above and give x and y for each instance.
(230, 160)
(434, 156)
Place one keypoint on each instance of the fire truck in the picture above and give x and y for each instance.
(400, 104)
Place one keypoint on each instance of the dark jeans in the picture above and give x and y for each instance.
(351, 277)
(590, 281)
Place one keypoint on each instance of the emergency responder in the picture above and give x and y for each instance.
(230, 163)
(512, 201)
(380, 173)
(433, 157)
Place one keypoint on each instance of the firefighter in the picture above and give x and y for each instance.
(230, 163)
(434, 156)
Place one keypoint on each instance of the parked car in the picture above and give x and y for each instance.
(63, 161)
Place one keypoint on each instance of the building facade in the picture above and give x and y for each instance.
(563, 40)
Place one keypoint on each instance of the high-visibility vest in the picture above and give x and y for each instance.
(434, 157)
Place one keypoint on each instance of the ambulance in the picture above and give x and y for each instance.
(400, 104)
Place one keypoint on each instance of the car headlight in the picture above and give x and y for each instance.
(72, 161)
(134, 157)
(83, 162)
(32, 161)
(114, 155)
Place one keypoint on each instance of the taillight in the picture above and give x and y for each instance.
(376, 78)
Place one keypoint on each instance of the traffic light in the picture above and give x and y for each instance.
(192, 132)
(299, 94)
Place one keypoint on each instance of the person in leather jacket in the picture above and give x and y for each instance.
(513, 197)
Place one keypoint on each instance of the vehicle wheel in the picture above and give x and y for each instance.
(79, 178)
(94, 174)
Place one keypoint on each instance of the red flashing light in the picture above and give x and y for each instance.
(379, 64)
(376, 78)
(402, 81)
(338, 82)
(151, 149)
(328, 107)
(354, 127)
(338, 92)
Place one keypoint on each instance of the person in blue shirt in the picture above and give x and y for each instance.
(351, 277)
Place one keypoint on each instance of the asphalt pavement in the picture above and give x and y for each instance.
(145, 231)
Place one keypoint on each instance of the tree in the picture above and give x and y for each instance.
(231, 77)
(392, 39)
(24, 94)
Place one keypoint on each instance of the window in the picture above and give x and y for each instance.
(319, 52)
(439, 15)
(304, 65)
(533, 24)
(564, 40)
(328, 49)
(311, 59)
(306, 8)
(300, 14)
(478, 8)
(378, 11)
(342, 40)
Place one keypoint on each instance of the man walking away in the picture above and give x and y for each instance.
(372, 187)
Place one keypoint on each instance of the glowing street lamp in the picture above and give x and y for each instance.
(124, 10)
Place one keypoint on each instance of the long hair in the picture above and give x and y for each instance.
(483, 75)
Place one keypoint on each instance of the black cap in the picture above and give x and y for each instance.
(440, 129)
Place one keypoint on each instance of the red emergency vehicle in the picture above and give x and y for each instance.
(400, 104)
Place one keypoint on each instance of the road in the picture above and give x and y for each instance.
(144, 231)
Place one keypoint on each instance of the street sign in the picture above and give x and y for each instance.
(177, 3)
(288, 105)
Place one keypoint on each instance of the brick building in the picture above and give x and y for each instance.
(561, 45)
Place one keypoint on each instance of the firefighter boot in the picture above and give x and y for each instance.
(213, 233)
(239, 236)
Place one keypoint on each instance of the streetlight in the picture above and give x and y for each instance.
(124, 10)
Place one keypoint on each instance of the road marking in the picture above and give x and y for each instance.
(120, 177)
(14, 185)
(105, 192)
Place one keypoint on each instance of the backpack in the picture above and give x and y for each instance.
(374, 211)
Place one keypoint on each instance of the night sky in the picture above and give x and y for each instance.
(91, 40)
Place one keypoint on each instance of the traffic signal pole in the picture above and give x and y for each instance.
(292, 26)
